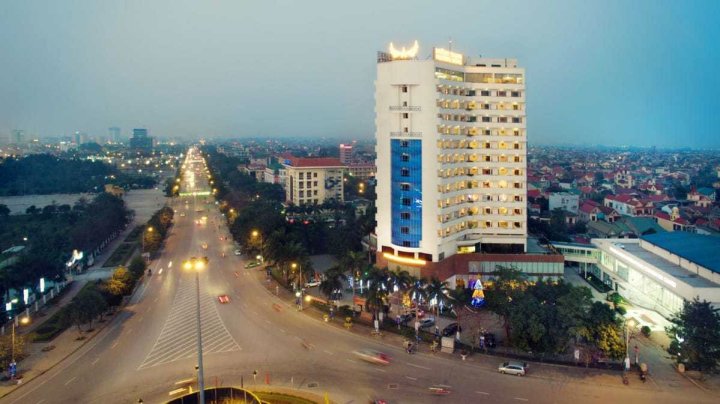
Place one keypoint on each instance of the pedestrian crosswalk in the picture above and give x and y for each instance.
(178, 338)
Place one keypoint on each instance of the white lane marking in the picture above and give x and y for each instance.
(282, 330)
(418, 366)
(350, 360)
(268, 321)
(520, 399)
(41, 401)
(381, 370)
(95, 361)
(411, 378)
(482, 393)
(140, 319)
(115, 344)
(328, 352)
(160, 271)
(70, 381)
(170, 264)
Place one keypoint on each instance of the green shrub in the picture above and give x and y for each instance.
(646, 331)
(621, 310)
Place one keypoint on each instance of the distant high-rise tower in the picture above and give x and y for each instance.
(140, 141)
(451, 156)
(345, 153)
(17, 136)
(114, 134)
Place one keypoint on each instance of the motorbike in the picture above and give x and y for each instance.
(643, 372)
(149, 272)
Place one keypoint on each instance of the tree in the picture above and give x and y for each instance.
(526, 321)
(6, 349)
(507, 285)
(137, 267)
(695, 332)
(333, 282)
(609, 340)
(90, 304)
(437, 293)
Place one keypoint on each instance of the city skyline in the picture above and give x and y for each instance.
(601, 73)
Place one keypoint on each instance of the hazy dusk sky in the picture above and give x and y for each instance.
(598, 72)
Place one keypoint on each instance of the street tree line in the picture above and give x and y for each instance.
(50, 237)
(156, 229)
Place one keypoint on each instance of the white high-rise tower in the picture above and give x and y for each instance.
(451, 156)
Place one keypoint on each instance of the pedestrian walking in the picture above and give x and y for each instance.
(437, 332)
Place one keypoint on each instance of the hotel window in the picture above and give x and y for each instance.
(314, 183)
(516, 120)
(302, 185)
(405, 186)
(307, 184)
(486, 158)
(404, 89)
(487, 171)
(502, 119)
(485, 93)
(405, 157)
(314, 175)
(518, 198)
(517, 211)
(486, 119)
(405, 215)
(502, 94)
(516, 132)
(405, 201)
(517, 185)
(405, 230)
(517, 159)
(301, 176)
(405, 115)
(516, 107)
(487, 132)
(404, 143)
(516, 146)
(315, 193)
(517, 225)
(406, 244)
(301, 193)
(404, 104)
(515, 94)
(404, 172)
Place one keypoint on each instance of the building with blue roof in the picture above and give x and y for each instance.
(661, 271)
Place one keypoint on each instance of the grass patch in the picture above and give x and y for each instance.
(55, 325)
(279, 398)
(134, 236)
(121, 255)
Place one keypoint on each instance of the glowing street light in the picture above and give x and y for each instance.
(198, 264)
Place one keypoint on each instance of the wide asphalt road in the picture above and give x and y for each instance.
(150, 345)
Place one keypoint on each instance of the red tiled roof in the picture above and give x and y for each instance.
(315, 162)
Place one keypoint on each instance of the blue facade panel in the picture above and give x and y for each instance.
(406, 191)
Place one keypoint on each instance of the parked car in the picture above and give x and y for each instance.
(427, 322)
(312, 284)
(238, 252)
(405, 318)
(224, 299)
(252, 264)
(513, 368)
(451, 330)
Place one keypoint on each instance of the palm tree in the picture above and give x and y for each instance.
(417, 289)
(380, 283)
(333, 281)
(354, 262)
(437, 293)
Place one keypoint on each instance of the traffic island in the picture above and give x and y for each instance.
(255, 395)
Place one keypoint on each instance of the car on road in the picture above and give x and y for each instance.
(312, 284)
(427, 322)
(182, 214)
(224, 299)
(204, 246)
(513, 368)
(238, 252)
(373, 356)
(451, 330)
(252, 264)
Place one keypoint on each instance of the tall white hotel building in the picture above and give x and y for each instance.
(451, 157)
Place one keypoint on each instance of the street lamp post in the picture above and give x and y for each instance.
(256, 233)
(149, 230)
(299, 293)
(198, 264)
(23, 321)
